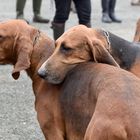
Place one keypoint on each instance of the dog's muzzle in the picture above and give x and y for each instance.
(49, 76)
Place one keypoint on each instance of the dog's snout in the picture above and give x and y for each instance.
(42, 73)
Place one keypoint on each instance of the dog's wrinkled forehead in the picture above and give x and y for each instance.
(76, 34)
(13, 21)
(11, 27)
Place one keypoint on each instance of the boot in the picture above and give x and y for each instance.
(40, 19)
(36, 8)
(114, 18)
(112, 11)
(58, 29)
(105, 11)
(135, 2)
(19, 8)
(106, 18)
(88, 25)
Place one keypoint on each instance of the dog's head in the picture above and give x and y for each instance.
(77, 45)
(16, 44)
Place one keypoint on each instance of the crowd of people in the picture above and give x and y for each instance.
(62, 11)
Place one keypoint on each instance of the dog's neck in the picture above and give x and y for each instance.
(124, 52)
(43, 48)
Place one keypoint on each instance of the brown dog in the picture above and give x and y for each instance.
(82, 44)
(26, 48)
(137, 32)
(117, 110)
(108, 95)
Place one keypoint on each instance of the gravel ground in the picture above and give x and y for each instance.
(17, 115)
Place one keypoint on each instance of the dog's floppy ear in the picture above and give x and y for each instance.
(23, 50)
(100, 53)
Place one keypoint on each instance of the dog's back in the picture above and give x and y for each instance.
(105, 91)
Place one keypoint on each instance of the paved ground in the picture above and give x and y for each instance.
(17, 114)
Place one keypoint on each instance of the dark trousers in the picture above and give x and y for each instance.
(108, 6)
(21, 4)
(83, 8)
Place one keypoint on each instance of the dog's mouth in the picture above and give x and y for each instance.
(51, 77)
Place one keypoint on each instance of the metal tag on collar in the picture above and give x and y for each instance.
(36, 38)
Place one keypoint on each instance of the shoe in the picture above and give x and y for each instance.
(106, 18)
(135, 2)
(114, 18)
(20, 16)
(88, 24)
(38, 18)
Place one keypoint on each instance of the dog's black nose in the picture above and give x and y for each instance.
(41, 73)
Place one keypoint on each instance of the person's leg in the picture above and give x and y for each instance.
(112, 5)
(36, 10)
(61, 15)
(105, 11)
(19, 8)
(83, 8)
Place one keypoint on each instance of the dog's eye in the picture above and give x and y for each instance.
(1, 37)
(65, 48)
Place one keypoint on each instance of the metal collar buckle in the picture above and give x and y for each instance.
(107, 38)
(36, 38)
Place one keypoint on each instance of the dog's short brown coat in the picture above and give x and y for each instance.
(26, 48)
(108, 95)
(81, 44)
(103, 89)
